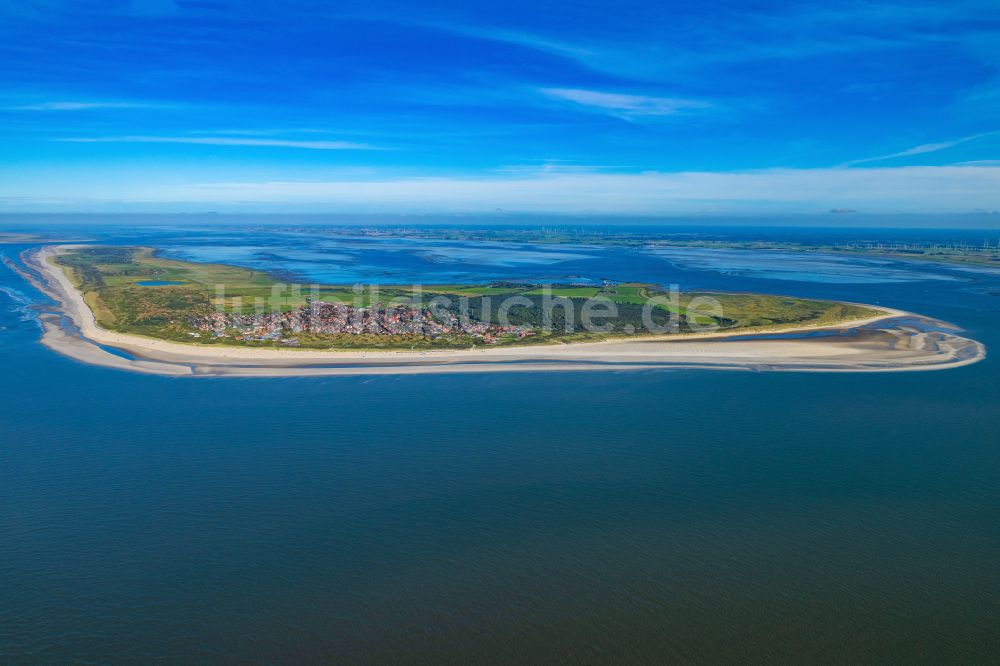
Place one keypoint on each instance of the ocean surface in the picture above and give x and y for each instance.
(585, 518)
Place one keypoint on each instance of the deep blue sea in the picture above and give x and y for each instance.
(587, 518)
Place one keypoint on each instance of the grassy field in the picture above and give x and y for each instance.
(133, 290)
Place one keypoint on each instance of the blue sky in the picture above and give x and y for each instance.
(566, 107)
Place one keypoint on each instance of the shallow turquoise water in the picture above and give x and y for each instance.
(517, 518)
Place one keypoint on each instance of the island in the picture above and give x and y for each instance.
(132, 290)
(133, 309)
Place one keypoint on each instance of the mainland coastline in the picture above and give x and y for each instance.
(888, 341)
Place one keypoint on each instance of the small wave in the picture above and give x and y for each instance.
(15, 295)
(21, 302)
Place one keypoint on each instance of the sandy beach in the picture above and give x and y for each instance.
(888, 342)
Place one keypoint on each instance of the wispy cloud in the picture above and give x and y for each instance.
(522, 38)
(81, 106)
(871, 190)
(627, 106)
(649, 44)
(902, 189)
(226, 141)
(556, 166)
(923, 149)
(168, 7)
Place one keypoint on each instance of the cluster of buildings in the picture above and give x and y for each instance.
(323, 318)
